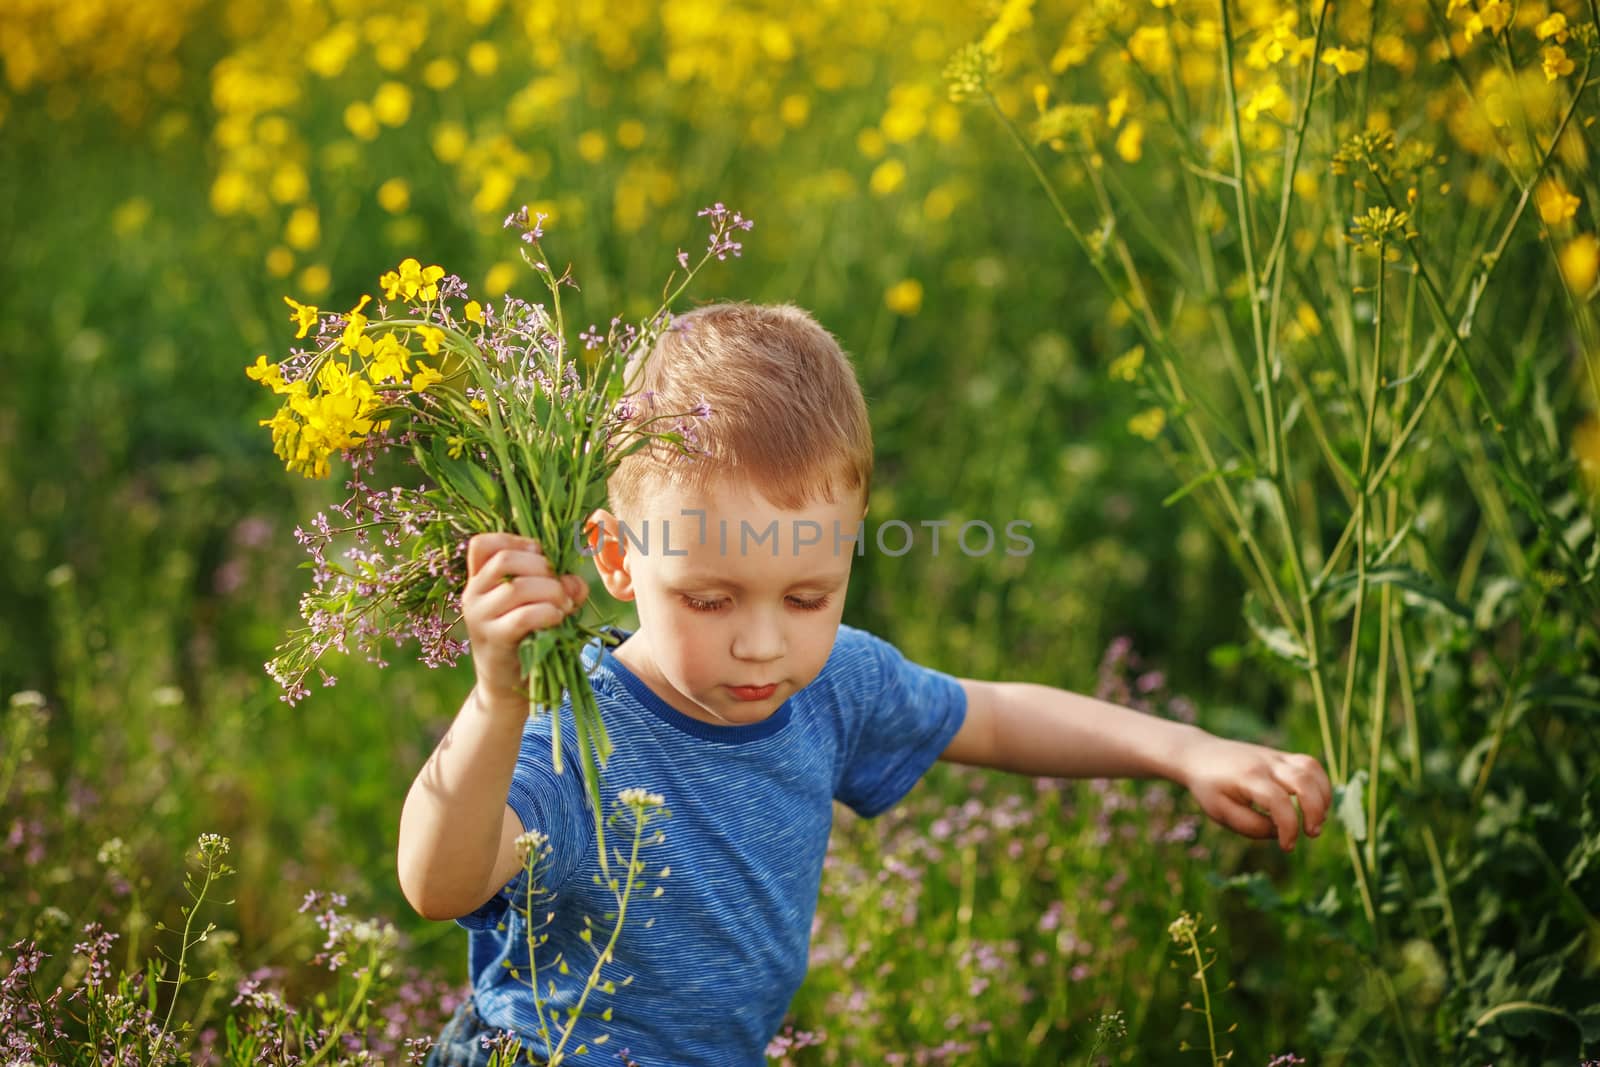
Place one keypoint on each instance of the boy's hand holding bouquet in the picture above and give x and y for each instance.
(511, 591)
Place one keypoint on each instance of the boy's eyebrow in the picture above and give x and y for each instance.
(720, 580)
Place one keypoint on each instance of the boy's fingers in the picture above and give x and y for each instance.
(1242, 820)
(519, 622)
(1302, 776)
(508, 563)
(502, 598)
(481, 548)
(1274, 799)
(575, 587)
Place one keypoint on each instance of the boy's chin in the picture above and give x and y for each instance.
(746, 712)
(749, 712)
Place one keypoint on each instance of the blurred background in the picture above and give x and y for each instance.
(171, 171)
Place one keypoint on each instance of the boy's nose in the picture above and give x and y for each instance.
(758, 641)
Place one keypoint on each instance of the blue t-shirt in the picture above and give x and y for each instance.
(714, 959)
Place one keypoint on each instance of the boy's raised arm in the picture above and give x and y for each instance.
(457, 833)
(1043, 731)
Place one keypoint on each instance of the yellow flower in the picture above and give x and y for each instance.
(1130, 142)
(1266, 98)
(310, 428)
(474, 312)
(268, 374)
(360, 121)
(1490, 18)
(483, 58)
(303, 229)
(328, 54)
(887, 177)
(392, 104)
(425, 378)
(1306, 316)
(1580, 261)
(440, 74)
(304, 315)
(449, 141)
(794, 110)
(394, 195)
(1014, 15)
(316, 279)
(289, 183)
(280, 261)
(1148, 424)
(592, 146)
(391, 360)
(1116, 108)
(1554, 26)
(1151, 48)
(1125, 367)
(904, 297)
(499, 278)
(631, 132)
(411, 281)
(1344, 60)
(355, 328)
(1556, 62)
(1556, 205)
(1586, 447)
(431, 337)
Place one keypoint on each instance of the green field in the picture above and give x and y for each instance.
(1278, 324)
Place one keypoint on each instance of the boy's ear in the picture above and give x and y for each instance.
(610, 555)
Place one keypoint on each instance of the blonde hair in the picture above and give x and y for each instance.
(768, 398)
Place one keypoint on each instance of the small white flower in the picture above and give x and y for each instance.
(214, 846)
(531, 844)
(114, 853)
(640, 798)
(28, 698)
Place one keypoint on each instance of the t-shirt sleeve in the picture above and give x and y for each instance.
(901, 717)
(555, 805)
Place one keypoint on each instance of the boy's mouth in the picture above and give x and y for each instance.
(752, 692)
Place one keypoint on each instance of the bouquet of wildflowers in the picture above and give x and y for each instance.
(457, 418)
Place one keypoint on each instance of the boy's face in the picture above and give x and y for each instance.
(738, 610)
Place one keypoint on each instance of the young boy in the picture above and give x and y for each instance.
(747, 707)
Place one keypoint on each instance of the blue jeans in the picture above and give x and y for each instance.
(460, 1043)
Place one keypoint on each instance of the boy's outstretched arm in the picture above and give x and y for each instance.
(1043, 731)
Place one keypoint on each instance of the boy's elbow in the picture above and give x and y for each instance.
(433, 906)
(428, 898)
(436, 913)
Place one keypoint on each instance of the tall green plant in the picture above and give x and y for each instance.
(1354, 248)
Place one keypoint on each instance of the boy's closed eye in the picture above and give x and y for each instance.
(694, 603)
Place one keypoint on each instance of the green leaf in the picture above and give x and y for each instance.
(1349, 805)
(1497, 602)
(1278, 640)
(1520, 1018)
(462, 478)
(1394, 542)
(1418, 585)
(1190, 486)
(1579, 694)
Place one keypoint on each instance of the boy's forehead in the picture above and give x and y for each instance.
(732, 535)
(733, 500)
